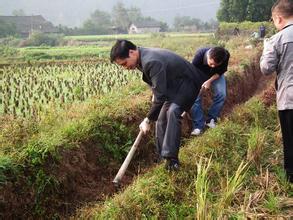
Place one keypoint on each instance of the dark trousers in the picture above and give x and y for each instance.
(168, 130)
(286, 121)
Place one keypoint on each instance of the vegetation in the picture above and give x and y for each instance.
(7, 29)
(216, 180)
(30, 149)
(224, 173)
(29, 90)
(97, 47)
(118, 21)
(42, 39)
(186, 23)
(245, 28)
(245, 10)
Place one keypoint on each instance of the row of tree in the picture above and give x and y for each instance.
(7, 29)
(187, 23)
(119, 20)
(245, 10)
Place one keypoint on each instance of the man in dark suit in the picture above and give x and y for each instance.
(175, 84)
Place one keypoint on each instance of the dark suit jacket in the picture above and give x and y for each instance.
(171, 77)
(200, 61)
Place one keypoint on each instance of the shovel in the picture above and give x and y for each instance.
(127, 160)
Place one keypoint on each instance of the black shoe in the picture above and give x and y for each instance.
(172, 165)
(157, 158)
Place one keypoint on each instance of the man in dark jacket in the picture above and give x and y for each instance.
(213, 62)
(175, 84)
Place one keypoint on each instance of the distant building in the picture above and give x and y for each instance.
(27, 24)
(144, 27)
(189, 28)
(118, 30)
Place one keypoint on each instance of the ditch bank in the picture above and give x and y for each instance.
(83, 174)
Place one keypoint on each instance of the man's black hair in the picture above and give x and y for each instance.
(121, 49)
(218, 54)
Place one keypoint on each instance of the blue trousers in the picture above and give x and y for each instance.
(219, 96)
(168, 130)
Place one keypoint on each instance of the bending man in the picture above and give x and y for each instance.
(213, 62)
(175, 84)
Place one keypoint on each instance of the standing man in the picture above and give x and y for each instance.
(175, 84)
(277, 57)
(213, 62)
(262, 31)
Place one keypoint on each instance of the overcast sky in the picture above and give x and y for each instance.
(75, 12)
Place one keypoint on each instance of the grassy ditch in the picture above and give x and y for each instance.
(32, 153)
(233, 171)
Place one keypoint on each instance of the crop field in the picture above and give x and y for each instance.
(134, 36)
(26, 90)
(63, 53)
(97, 47)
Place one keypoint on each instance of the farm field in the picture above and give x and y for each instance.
(28, 90)
(97, 47)
(67, 124)
(136, 36)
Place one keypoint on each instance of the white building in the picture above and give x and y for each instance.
(144, 27)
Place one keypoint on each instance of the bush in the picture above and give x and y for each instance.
(11, 41)
(246, 27)
(7, 51)
(39, 39)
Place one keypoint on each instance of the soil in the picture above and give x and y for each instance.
(85, 173)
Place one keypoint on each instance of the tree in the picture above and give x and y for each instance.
(134, 14)
(241, 10)
(164, 26)
(238, 10)
(211, 25)
(7, 29)
(187, 23)
(223, 13)
(120, 17)
(98, 23)
(18, 12)
(259, 10)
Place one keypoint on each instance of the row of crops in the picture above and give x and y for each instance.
(27, 90)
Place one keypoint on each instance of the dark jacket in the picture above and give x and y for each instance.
(200, 61)
(171, 77)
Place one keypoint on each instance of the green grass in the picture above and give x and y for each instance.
(63, 53)
(28, 148)
(222, 186)
(184, 44)
(132, 36)
(58, 127)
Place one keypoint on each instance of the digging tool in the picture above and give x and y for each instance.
(127, 160)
